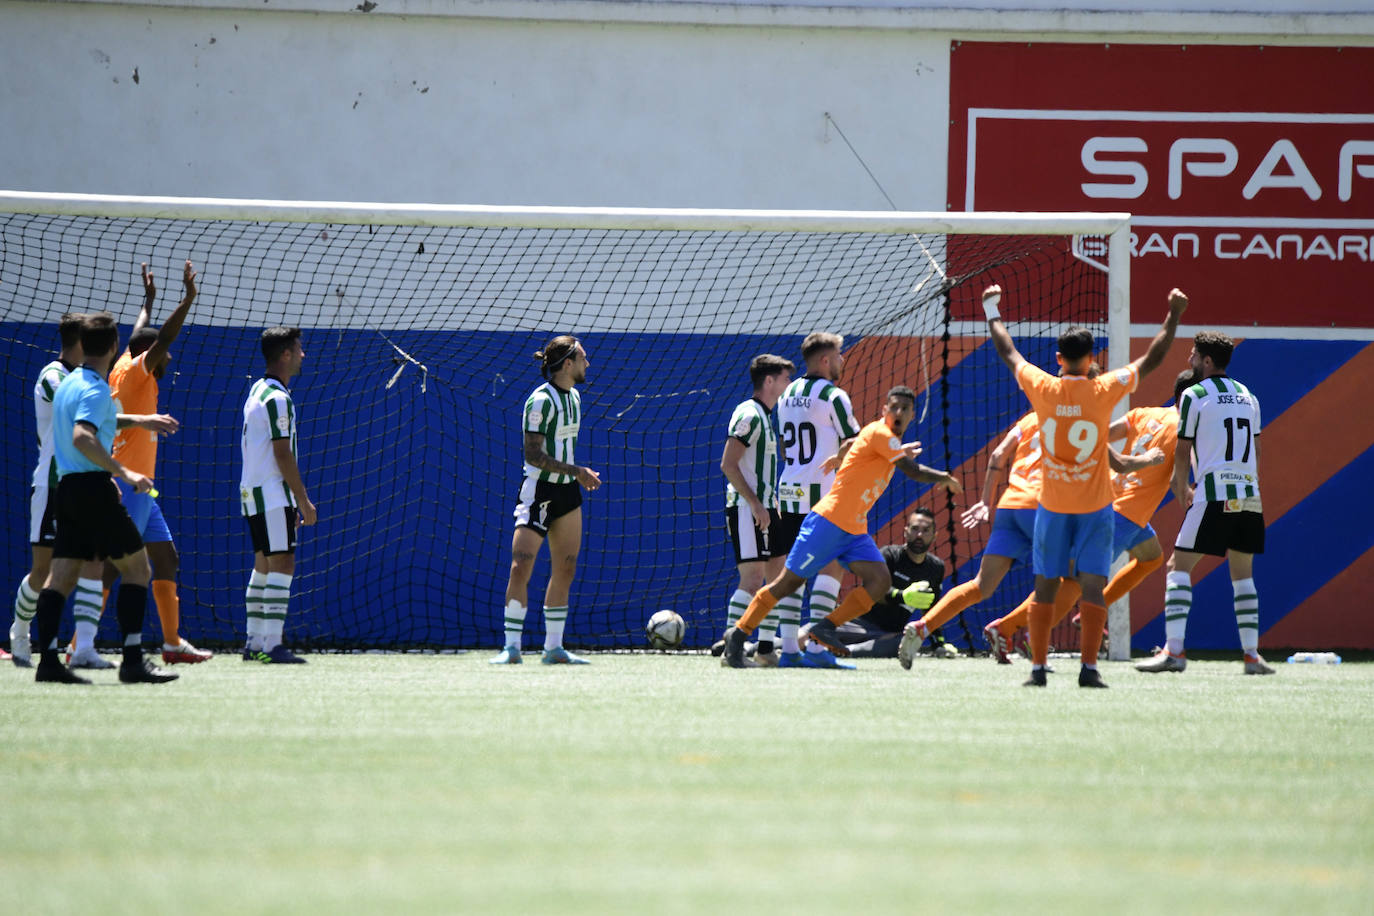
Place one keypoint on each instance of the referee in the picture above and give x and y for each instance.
(91, 521)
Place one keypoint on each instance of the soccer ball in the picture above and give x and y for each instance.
(665, 629)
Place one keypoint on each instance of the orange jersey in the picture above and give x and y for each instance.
(861, 479)
(135, 391)
(1075, 414)
(1137, 495)
(1023, 483)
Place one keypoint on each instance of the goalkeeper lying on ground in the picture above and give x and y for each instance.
(917, 578)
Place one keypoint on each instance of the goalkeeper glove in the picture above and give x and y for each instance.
(917, 595)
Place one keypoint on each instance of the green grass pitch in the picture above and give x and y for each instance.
(666, 784)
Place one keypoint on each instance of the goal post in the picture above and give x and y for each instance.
(419, 321)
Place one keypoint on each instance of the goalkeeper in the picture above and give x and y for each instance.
(916, 585)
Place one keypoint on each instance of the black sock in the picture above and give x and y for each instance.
(765, 646)
(131, 603)
(49, 618)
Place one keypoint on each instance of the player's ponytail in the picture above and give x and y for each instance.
(555, 353)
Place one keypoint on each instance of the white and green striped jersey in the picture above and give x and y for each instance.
(814, 417)
(556, 415)
(268, 415)
(1221, 418)
(44, 390)
(750, 424)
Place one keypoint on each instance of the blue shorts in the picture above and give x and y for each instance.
(1070, 543)
(1128, 534)
(819, 541)
(1013, 534)
(145, 512)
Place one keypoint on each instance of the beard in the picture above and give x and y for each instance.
(917, 545)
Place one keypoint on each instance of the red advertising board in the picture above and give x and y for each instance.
(1249, 171)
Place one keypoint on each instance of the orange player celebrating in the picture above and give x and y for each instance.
(1013, 528)
(1151, 434)
(134, 383)
(1073, 523)
(836, 528)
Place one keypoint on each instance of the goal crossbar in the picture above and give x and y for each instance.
(484, 216)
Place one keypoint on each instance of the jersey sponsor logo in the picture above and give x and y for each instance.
(568, 431)
(791, 492)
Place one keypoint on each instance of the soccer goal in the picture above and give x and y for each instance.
(419, 326)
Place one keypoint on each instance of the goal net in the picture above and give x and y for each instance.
(419, 327)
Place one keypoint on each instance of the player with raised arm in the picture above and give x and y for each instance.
(836, 528)
(1218, 436)
(815, 418)
(42, 505)
(1073, 523)
(1139, 485)
(272, 496)
(1017, 460)
(134, 382)
(91, 522)
(550, 503)
(750, 465)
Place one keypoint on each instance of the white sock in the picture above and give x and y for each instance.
(739, 603)
(515, 622)
(1247, 614)
(825, 594)
(86, 607)
(789, 611)
(276, 595)
(1178, 601)
(554, 618)
(25, 602)
(252, 599)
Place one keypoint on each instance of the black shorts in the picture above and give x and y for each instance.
(543, 502)
(788, 526)
(1215, 527)
(273, 531)
(92, 523)
(749, 542)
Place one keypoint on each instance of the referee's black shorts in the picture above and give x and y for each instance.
(92, 523)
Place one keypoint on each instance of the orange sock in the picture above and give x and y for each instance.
(1130, 575)
(1094, 620)
(759, 606)
(855, 603)
(1017, 618)
(955, 600)
(1041, 619)
(1069, 593)
(168, 610)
